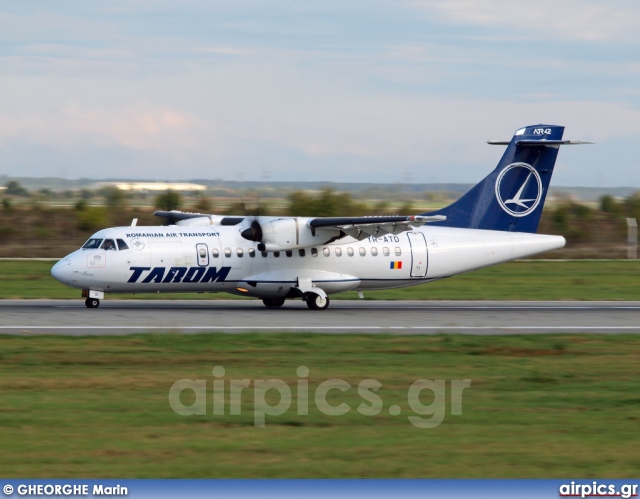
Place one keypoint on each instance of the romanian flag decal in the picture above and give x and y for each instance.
(395, 265)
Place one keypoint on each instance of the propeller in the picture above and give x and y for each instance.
(253, 232)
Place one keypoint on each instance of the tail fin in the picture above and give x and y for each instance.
(511, 197)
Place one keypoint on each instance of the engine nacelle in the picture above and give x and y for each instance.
(282, 233)
(291, 233)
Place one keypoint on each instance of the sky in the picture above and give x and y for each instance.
(357, 91)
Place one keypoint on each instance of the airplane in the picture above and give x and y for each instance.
(277, 258)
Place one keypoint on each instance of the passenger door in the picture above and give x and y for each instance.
(419, 254)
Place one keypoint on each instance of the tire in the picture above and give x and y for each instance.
(92, 303)
(317, 302)
(273, 302)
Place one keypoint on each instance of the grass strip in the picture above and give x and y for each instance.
(538, 406)
(520, 280)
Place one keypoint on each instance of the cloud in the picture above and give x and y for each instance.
(142, 129)
(226, 51)
(150, 129)
(583, 20)
(354, 91)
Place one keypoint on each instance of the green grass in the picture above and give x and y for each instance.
(521, 280)
(538, 406)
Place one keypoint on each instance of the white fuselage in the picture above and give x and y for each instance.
(218, 259)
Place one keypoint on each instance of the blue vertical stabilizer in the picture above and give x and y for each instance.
(512, 196)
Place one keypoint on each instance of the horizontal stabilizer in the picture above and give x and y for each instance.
(538, 142)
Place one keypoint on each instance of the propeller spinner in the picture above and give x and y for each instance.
(253, 232)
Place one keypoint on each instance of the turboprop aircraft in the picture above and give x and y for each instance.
(280, 258)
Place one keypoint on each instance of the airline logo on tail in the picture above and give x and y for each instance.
(522, 199)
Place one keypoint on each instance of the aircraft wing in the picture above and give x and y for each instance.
(362, 227)
(175, 216)
(332, 227)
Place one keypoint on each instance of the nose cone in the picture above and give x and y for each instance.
(61, 271)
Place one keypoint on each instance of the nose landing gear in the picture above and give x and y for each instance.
(92, 303)
(93, 297)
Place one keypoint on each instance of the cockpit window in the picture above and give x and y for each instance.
(122, 245)
(92, 244)
(108, 244)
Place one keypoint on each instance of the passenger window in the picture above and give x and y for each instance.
(314, 251)
(202, 252)
(122, 245)
(108, 245)
(227, 252)
(240, 252)
(350, 251)
(276, 254)
(374, 251)
(398, 251)
(264, 254)
(385, 251)
(92, 244)
(338, 251)
(215, 252)
(289, 253)
(301, 252)
(252, 253)
(362, 251)
(326, 252)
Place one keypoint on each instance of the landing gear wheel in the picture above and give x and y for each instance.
(92, 303)
(273, 302)
(316, 302)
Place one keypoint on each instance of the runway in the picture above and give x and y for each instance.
(118, 317)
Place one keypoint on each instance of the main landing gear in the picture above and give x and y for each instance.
(273, 302)
(92, 303)
(315, 301)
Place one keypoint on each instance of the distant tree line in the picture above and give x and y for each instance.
(592, 226)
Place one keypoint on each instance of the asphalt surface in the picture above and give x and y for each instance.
(116, 317)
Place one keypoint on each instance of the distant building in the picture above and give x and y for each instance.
(153, 186)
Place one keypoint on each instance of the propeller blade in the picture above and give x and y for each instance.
(253, 232)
